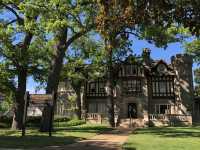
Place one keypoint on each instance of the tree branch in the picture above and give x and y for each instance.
(76, 36)
(12, 58)
(128, 32)
(13, 11)
(10, 22)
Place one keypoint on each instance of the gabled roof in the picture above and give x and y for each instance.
(156, 63)
(161, 61)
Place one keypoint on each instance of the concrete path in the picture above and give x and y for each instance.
(108, 141)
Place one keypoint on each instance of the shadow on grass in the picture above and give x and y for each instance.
(88, 129)
(128, 146)
(35, 141)
(173, 132)
(34, 138)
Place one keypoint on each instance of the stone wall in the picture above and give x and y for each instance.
(182, 64)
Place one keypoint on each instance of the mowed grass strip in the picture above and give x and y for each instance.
(61, 136)
(168, 138)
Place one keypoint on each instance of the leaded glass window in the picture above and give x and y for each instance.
(162, 86)
(132, 86)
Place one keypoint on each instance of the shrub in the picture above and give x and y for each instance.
(75, 122)
(4, 125)
(6, 119)
(61, 119)
(33, 121)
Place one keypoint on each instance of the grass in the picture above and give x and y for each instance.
(61, 136)
(168, 138)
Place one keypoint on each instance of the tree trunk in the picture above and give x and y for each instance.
(110, 86)
(54, 75)
(57, 62)
(83, 107)
(78, 103)
(19, 104)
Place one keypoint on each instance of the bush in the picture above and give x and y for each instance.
(33, 121)
(5, 121)
(75, 122)
(4, 125)
(61, 119)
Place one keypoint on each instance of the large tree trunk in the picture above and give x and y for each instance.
(57, 62)
(19, 104)
(54, 75)
(76, 84)
(110, 86)
(21, 87)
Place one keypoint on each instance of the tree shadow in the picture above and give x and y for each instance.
(35, 141)
(89, 129)
(128, 146)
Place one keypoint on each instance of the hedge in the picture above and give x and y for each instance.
(34, 121)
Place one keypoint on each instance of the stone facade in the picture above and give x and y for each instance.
(146, 92)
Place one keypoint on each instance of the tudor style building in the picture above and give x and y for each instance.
(148, 91)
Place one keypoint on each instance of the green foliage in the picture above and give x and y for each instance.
(33, 121)
(75, 122)
(193, 48)
(7, 103)
(23, 44)
(65, 122)
(61, 119)
(5, 122)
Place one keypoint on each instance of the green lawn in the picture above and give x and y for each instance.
(61, 136)
(168, 138)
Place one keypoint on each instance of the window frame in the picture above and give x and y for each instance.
(132, 86)
(157, 108)
(156, 85)
(128, 70)
(98, 92)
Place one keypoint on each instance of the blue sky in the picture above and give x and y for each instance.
(138, 45)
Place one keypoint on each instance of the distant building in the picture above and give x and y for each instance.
(148, 91)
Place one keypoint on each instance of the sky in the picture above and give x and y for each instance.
(137, 46)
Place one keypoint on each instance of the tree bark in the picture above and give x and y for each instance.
(54, 75)
(78, 103)
(57, 62)
(19, 105)
(110, 87)
(21, 87)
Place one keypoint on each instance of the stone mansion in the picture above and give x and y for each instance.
(147, 91)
